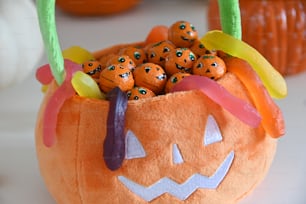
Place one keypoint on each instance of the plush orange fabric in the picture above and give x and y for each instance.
(74, 170)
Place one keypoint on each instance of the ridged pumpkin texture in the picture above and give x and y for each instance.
(276, 28)
(96, 7)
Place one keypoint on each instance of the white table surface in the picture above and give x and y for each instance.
(20, 181)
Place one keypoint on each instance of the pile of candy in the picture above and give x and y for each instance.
(156, 65)
(153, 69)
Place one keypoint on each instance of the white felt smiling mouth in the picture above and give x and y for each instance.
(180, 191)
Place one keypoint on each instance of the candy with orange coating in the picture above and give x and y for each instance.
(116, 75)
(157, 33)
(137, 93)
(199, 49)
(92, 68)
(151, 76)
(210, 66)
(123, 60)
(157, 52)
(175, 78)
(179, 60)
(137, 54)
(223, 55)
(182, 34)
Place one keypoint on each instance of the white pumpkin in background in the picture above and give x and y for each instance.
(21, 44)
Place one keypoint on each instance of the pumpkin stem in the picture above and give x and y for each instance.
(46, 18)
(230, 17)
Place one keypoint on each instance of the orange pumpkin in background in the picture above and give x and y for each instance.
(96, 7)
(276, 28)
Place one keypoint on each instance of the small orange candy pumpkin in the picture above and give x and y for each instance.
(174, 79)
(137, 93)
(157, 52)
(116, 75)
(123, 60)
(136, 54)
(92, 68)
(182, 34)
(151, 76)
(199, 49)
(179, 60)
(210, 66)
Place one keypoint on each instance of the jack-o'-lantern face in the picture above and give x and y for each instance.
(180, 189)
(123, 60)
(157, 52)
(92, 68)
(137, 93)
(199, 49)
(182, 34)
(210, 66)
(171, 155)
(151, 76)
(137, 54)
(116, 75)
(180, 60)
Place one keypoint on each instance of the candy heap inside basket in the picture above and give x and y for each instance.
(171, 59)
(153, 68)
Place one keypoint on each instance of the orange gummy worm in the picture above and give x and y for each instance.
(272, 118)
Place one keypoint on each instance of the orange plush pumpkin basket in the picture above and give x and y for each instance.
(198, 152)
(74, 171)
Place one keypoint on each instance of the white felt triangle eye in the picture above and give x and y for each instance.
(212, 132)
(133, 148)
(176, 155)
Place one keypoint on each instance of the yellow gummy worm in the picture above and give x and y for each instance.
(77, 54)
(86, 86)
(273, 80)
